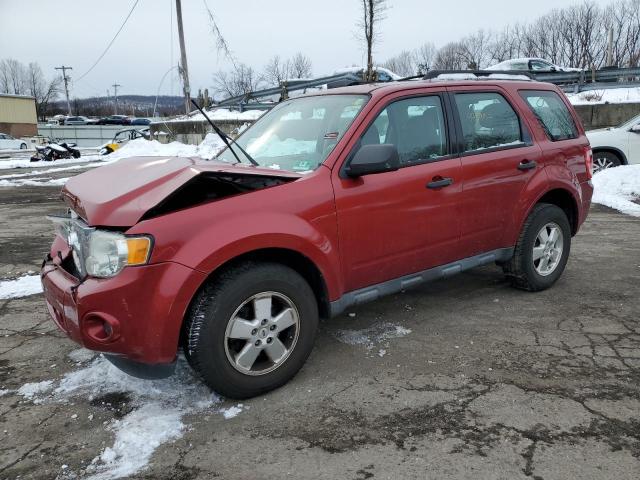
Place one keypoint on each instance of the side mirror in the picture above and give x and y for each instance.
(636, 128)
(373, 159)
(553, 69)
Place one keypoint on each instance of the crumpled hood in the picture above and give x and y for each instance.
(119, 194)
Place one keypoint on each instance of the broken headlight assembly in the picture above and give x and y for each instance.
(101, 253)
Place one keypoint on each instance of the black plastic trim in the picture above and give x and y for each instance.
(142, 370)
(373, 292)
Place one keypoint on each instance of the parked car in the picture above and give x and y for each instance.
(140, 121)
(79, 120)
(115, 120)
(341, 197)
(616, 146)
(121, 138)
(10, 143)
(539, 65)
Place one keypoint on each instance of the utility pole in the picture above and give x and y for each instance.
(115, 96)
(183, 60)
(66, 85)
(609, 61)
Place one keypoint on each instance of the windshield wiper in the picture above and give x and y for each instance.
(226, 138)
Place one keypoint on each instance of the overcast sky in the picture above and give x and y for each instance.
(74, 33)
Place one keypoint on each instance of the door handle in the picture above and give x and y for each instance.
(439, 182)
(527, 165)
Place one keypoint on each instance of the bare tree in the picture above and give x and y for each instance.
(424, 57)
(404, 64)
(372, 14)
(474, 50)
(450, 57)
(42, 90)
(277, 70)
(300, 66)
(12, 77)
(240, 81)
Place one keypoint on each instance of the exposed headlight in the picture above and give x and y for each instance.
(102, 253)
(110, 252)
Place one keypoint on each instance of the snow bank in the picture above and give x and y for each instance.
(611, 95)
(40, 182)
(25, 162)
(157, 416)
(618, 188)
(20, 287)
(220, 114)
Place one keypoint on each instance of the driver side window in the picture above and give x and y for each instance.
(415, 126)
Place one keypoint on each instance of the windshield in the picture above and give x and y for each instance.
(630, 123)
(299, 134)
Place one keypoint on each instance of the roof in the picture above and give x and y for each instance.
(390, 87)
(10, 95)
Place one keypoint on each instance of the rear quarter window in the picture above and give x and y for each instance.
(552, 114)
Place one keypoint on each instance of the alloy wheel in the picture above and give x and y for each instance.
(547, 249)
(262, 333)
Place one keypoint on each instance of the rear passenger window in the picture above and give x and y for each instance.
(416, 126)
(552, 113)
(488, 121)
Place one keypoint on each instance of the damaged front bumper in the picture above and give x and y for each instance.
(134, 317)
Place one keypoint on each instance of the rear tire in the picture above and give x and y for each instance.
(538, 263)
(23, 146)
(605, 160)
(213, 346)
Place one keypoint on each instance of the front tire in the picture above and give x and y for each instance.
(542, 250)
(251, 330)
(23, 146)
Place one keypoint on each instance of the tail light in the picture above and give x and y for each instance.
(588, 160)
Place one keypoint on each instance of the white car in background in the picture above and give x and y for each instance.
(615, 146)
(10, 143)
(531, 65)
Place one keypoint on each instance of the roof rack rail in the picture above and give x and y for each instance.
(434, 74)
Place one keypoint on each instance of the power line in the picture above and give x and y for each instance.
(110, 43)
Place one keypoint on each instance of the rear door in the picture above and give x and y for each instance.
(498, 159)
(396, 223)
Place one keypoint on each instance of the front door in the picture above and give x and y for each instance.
(395, 223)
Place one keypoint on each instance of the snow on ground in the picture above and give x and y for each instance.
(41, 182)
(20, 287)
(611, 95)
(619, 188)
(370, 337)
(210, 146)
(220, 114)
(157, 416)
(22, 161)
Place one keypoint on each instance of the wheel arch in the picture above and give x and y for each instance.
(293, 259)
(616, 151)
(563, 199)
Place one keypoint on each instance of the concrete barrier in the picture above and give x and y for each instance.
(193, 132)
(606, 114)
(83, 135)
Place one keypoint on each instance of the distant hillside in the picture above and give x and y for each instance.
(136, 105)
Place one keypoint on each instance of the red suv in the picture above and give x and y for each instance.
(328, 201)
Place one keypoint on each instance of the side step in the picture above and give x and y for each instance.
(396, 285)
